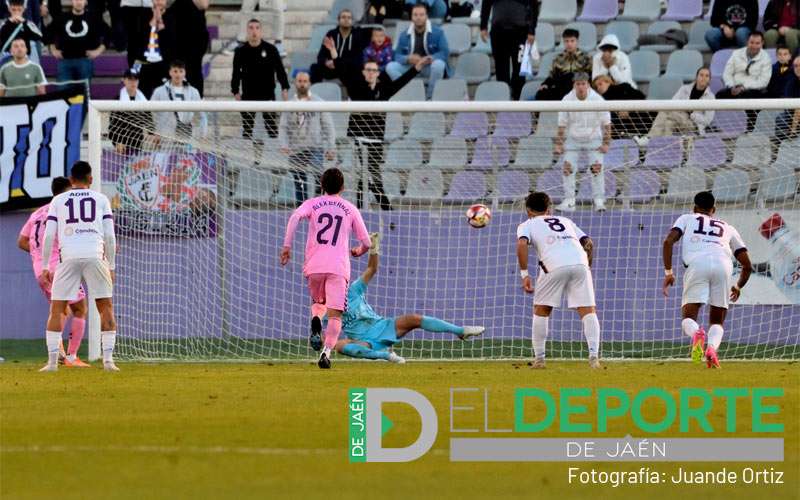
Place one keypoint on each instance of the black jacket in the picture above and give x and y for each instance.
(773, 14)
(256, 69)
(735, 13)
(370, 125)
(622, 92)
(510, 14)
(29, 32)
(74, 34)
(780, 79)
(350, 48)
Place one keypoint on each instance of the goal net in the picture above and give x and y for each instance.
(201, 209)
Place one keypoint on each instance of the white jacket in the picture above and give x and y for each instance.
(620, 71)
(584, 126)
(700, 118)
(736, 72)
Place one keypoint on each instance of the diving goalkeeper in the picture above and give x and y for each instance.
(370, 336)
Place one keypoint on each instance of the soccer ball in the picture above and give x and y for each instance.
(478, 216)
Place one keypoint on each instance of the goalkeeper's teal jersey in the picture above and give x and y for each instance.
(359, 316)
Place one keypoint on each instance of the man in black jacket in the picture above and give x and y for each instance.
(16, 24)
(732, 21)
(349, 42)
(513, 24)
(256, 66)
(368, 128)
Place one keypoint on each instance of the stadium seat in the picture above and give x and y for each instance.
(558, 11)
(268, 157)
(585, 186)
(716, 84)
(451, 89)
(394, 127)
(599, 11)
(622, 153)
(490, 152)
(552, 183)
(426, 126)
(327, 91)
(730, 124)
(697, 36)
(645, 65)
(512, 125)
(413, 91)
(707, 153)
(545, 63)
(253, 186)
(684, 64)
(344, 156)
(731, 185)
(405, 154)
(301, 61)
(776, 182)
(683, 10)
(663, 87)
(318, 35)
(470, 125)
(684, 183)
(788, 153)
(473, 67)
(534, 153)
(547, 126)
(286, 190)
(545, 37)
(357, 7)
(641, 11)
(765, 123)
(512, 185)
(718, 61)
(391, 186)
(752, 150)
(493, 91)
(529, 90)
(658, 28)
(425, 185)
(664, 152)
(459, 37)
(340, 122)
(627, 32)
(469, 186)
(587, 41)
(448, 153)
(643, 186)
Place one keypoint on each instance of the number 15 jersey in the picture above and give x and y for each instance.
(557, 241)
(331, 220)
(79, 214)
(707, 238)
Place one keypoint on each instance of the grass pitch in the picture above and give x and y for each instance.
(280, 430)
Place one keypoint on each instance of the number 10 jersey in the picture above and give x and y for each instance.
(79, 214)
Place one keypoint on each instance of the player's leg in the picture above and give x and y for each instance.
(335, 299)
(695, 293)
(78, 327)
(598, 180)
(55, 324)
(719, 287)
(693, 330)
(316, 286)
(363, 350)
(549, 291)
(715, 332)
(580, 296)
(46, 290)
(98, 279)
(408, 322)
(569, 171)
(66, 282)
(541, 320)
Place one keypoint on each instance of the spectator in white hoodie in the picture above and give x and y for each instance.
(747, 74)
(611, 61)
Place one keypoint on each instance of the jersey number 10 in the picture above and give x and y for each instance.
(86, 207)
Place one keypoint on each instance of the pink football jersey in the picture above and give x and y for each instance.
(34, 231)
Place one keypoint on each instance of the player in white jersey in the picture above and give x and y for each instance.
(708, 248)
(565, 257)
(83, 221)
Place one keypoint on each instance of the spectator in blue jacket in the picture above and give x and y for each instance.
(422, 39)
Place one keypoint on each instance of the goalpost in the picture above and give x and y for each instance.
(201, 212)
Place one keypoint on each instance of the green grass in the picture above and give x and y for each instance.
(279, 430)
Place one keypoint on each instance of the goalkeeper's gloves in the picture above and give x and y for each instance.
(375, 243)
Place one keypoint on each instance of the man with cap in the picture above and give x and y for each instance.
(127, 130)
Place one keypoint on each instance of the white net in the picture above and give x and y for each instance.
(201, 213)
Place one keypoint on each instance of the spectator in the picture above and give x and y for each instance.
(368, 128)
(256, 66)
(187, 21)
(781, 73)
(566, 64)
(77, 42)
(17, 26)
(685, 122)
(32, 10)
(21, 77)
(623, 123)
(275, 8)
(732, 21)
(379, 49)
(155, 51)
(782, 21)
(117, 33)
(304, 137)
(422, 39)
(747, 74)
(349, 43)
(513, 24)
(127, 130)
(787, 124)
(612, 62)
(136, 16)
(436, 8)
(378, 10)
(587, 132)
(178, 125)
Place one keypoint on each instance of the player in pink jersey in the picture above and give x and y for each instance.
(31, 239)
(331, 219)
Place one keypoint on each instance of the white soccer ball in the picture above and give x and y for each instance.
(478, 216)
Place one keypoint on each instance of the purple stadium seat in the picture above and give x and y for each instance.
(618, 157)
(585, 187)
(718, 61)
(213, 32)
(470, 125)
(599, 11)
(512, 185)
(643, 186)
(664, 152)
(716, 84)
(707, 153)
(773, 54)
(512, 125)
(490, 152)
(467, 186)
(552, 183)
(730, 123)
(105, 65)
(683, 10)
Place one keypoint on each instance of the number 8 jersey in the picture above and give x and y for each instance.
(79, 214)
(707, 238)
(557, 240)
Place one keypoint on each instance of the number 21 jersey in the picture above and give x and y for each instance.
(80, 214)
(557, 241)
(707, 238)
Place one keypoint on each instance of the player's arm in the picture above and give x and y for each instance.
(374, 257)
(302, 212)
(24, 242)
(588, 247)
(742, 257)
(522, 259)
(362, 234)
(50, 230)
(672, 238)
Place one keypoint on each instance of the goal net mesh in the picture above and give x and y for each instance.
(201, 212)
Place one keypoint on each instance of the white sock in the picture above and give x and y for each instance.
(540, 324)
(107, 340)
(591, 329)
(715, 336)
(53, 341)
(689, 326)
(327, 352)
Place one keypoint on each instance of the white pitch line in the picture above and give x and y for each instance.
(211, 450)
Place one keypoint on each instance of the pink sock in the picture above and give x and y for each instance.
(318, 310)
(332, 332)
(76, 335)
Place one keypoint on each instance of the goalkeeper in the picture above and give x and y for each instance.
(370, 336)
